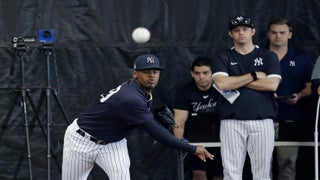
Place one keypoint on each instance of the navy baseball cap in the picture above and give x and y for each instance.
(240, 21)
(146, 61)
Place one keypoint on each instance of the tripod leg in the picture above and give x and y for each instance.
(26, 123)
(49, 124)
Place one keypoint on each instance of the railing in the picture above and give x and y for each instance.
(182, 155)
(277, 143)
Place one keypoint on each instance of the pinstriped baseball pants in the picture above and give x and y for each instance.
(253, 136)
(80, 154)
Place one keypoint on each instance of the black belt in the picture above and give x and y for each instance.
(93, 139)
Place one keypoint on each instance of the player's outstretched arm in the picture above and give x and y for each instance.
(203, 154)
(164, 136)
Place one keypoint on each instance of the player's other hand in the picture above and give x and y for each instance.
(202, 153)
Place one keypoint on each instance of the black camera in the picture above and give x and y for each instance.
(46, 35)
(18, 40)
(21, 41)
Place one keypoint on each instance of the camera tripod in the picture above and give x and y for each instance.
(49, 53)
(24, 94)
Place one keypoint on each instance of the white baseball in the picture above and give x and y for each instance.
(141, 35)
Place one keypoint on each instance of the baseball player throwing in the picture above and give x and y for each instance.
(98, 136)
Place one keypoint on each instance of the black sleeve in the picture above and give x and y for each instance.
(164, 136)
(314, 85)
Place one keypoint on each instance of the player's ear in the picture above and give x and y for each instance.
(134, 74)
(290, 34)
(253, 30)
(192, 74)
(230, 34)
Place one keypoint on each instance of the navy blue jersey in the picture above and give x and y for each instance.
(251, 104)
(117, 112)
(202, 123)
(296, 68)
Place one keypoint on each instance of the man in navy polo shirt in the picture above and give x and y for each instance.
(98, 136)
(296, 70)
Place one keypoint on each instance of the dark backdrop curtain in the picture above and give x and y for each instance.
(94, 52)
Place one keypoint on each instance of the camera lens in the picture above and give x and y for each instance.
(20, 40)
(47, 34)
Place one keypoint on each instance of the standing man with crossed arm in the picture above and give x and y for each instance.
(247, 123)
(98, 136)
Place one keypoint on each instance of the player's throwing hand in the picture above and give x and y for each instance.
(202, 153)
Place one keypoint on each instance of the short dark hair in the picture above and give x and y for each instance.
(280, 21)
(201, 61)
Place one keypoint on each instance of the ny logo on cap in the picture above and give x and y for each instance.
(150, 59)
(239, 18)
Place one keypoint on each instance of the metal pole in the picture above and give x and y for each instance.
(316, 161)
(49, 111)
(180, 165)
(181, 156)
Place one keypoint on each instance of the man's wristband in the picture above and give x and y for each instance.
(254, 75)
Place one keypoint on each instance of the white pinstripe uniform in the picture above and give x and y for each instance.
(80, 154)
(239, 137)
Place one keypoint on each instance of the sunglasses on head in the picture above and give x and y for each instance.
(240, 20)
